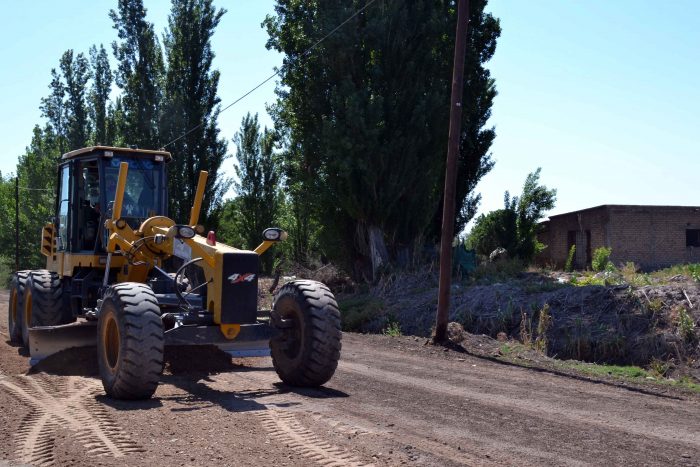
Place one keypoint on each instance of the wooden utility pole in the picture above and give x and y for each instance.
(448, 209)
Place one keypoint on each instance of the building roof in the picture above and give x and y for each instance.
(629, 206)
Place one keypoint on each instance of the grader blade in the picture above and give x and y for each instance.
(48, 340)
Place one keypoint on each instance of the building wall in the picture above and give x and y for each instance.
(650, 236)
(557, 236)
(653, 236)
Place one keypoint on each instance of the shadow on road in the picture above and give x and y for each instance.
(80, 361)
(313, 393)
(199, 395)
(188, 368)
(129, 405)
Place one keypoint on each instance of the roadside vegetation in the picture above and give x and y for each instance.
(618, 322)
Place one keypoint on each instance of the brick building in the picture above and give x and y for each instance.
(650, 236)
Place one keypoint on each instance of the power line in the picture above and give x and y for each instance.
(276, 73)
(35, 189)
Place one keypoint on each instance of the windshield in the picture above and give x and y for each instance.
(143, 183)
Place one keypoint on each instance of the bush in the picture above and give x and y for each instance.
(686, 325)
(357, 311)
(569, 266)
(601, 259)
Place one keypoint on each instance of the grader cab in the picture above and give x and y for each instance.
(122, 276)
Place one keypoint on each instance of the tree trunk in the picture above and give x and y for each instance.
(377, 249)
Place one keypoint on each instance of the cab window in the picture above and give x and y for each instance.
(64, 209)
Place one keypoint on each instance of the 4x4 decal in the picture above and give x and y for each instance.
(238, 278)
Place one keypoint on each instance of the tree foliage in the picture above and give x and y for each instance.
(365, 116)
(493, 230)
(99, 94)
(36, 170)
(139, 73)
(53, 108)
(191, 108)
(515, 226)
(76, 72)
(258, 186)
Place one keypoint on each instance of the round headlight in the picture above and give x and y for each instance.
(271, 234)
(186, 231)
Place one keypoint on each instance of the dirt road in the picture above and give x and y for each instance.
(393, 401)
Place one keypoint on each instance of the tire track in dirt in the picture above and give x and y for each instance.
(64, 403)
(283, 426)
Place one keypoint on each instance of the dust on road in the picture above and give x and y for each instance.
(393, 401)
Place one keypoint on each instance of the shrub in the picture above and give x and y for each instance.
(686, 325)
(601, 259)
(569, 266)
(694, 270)
(359, 310)
(543, 325)
(393, 329)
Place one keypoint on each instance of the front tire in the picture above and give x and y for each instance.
(307, 350)
(16, 305)
(130, 341)
(42, 302)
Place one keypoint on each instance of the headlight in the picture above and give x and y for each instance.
(274, 234)
(185, 231)
(180, 231)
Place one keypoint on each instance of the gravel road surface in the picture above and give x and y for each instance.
(393, 401)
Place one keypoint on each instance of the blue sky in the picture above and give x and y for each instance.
(604, 96)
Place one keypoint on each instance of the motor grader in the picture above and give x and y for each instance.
(122, 276)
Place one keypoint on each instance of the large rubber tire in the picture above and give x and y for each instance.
(307, 350)
(16, 305)
(42, 302)
(130, 341)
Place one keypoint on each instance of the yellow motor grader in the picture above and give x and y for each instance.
(122, 276)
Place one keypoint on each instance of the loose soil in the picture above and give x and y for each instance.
(393, 401)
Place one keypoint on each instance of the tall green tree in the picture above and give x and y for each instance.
(53, 108)
(258, 185)
(76, 73)
(99, 94)
(366, 115)
(139, 73)
(191, 108)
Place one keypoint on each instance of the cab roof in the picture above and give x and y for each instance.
(100, 150)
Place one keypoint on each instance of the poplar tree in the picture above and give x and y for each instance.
(191, 108)
(53, 108)
(99, 94)
(365, 115)
(76, 73)
(138, 74)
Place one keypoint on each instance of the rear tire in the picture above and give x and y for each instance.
(42, 301)
(130, 341)
(16, 305)
(307, 351)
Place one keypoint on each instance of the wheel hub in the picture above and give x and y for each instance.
(110, 338)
